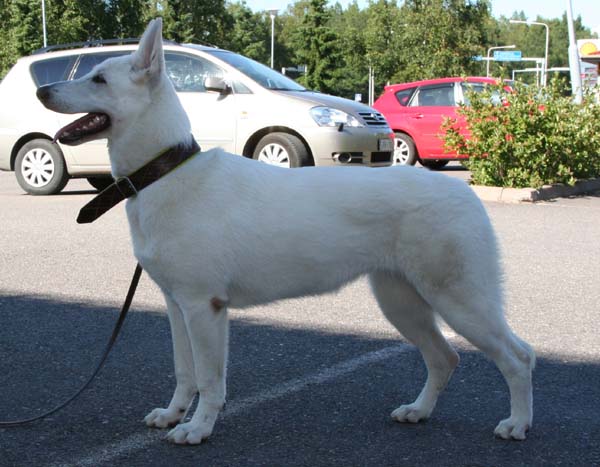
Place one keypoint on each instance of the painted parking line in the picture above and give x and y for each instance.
(108, 453)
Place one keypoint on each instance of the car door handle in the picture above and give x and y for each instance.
(418, 116)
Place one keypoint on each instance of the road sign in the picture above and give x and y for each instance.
(507, 55)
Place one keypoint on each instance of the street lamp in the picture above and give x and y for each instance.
(574, 69)
(487, 68)
(44, 22)
(545, 67)
(273, 14)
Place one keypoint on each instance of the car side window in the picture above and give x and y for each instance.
(403, 96)
(478, 88)
(89, 61)
(438, 95)
(51, 70)
(188, 73)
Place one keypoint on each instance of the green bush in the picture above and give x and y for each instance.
(534, 138)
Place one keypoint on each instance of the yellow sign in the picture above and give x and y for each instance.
(588, 47)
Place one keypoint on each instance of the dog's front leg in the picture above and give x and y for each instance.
(207, 327)
(184, 373)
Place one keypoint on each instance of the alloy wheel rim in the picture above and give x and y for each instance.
(401, 152)
(37, 167)
(274, 154)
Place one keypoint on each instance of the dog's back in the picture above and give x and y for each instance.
(321, 226)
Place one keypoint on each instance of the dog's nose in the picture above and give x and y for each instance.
(43, 92)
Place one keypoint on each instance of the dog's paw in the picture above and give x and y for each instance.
(512, 428)
(163, 418)
(411, 413)
(189, 433)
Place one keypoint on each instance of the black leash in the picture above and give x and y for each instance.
(134, 282)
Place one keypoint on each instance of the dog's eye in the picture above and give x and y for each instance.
(99, 79)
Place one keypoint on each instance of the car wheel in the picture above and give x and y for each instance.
(405, 151)
(100, 183)
(434, 164)
(281, 150)
(40, 168)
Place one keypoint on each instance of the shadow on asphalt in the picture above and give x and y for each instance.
(48, 348)
(453, 168)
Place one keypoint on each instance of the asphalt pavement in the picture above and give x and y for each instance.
(311, 381)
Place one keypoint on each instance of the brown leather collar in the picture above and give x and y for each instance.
(125, 187)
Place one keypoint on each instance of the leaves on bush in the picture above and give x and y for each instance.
(535, 137)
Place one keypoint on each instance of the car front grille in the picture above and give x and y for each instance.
(373, 118)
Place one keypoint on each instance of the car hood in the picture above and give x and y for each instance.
(317, 98)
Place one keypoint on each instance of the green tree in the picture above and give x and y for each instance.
(8, 48)
(127, 18)
(318, 47)
(75, 21)
(25, 25)
(381, 38)
(205, 22)
(351, 74)
(250, 33)
(287, 24)
(439, 38)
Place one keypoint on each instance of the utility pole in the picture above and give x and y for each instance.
(44, 22)
(574, 68)
(273, 14)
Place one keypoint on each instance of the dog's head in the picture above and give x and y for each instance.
(115, 91)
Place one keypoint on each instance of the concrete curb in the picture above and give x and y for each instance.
(525, 195)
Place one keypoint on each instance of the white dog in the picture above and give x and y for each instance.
(210, 231)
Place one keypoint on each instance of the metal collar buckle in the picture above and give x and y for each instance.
(126, 187)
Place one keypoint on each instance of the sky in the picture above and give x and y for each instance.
(588, 9)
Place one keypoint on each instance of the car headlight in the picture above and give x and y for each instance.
(327, 116)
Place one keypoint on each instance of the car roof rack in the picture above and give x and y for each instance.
(92, 43)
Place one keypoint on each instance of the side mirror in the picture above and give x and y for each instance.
(216, 84)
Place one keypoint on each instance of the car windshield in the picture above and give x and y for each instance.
(260, 73)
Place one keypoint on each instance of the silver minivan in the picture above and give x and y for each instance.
(232, 101)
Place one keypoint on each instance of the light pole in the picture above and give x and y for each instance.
(273, 14)
(545, 67)
(44, 22)
(574, 69)
(487, 67)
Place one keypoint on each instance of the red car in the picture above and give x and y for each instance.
(415, 112)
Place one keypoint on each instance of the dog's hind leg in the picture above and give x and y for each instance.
(413, 317)
(482, 323)
(184, 373)
(207, 327)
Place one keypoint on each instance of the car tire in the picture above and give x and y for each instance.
(405, 151)
(434, 164)
(282, 150)
(100, 183)
(40, 168)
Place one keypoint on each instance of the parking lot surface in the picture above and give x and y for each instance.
(311, 381)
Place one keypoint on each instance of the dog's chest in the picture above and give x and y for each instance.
(147, 235)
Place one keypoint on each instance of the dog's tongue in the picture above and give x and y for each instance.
(87, 125)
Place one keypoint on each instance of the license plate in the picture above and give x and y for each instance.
(386, 144)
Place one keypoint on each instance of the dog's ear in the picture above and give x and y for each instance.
(148, 61)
